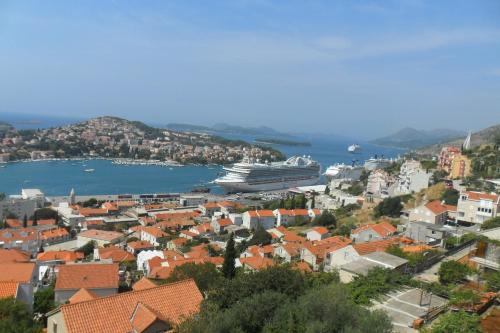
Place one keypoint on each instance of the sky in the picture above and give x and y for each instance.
(355, 68)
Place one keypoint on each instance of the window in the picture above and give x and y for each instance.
(54, 327)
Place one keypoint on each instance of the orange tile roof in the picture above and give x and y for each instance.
(481, 196)
(13, 255)
(300, 212)
(320, 230)
(60, 255)
(302, 266)
(16, 271)
(143, 283)
(188, 233)
(383, 228)
(101, 235)
(211, 204)
(316, 211)
(153, 231)
(256, 262)
(109, 206)
(143, 317)
(225, 222)
(16, 223)
(227, 204)
(137, 245)
(8, 289)
(93, 211)
(292, 249)
(112, 314)
(12, 235)
(177, 215)
(81, 296)
(179, 241)
(90, 276)
(53, 233)
(252, 213)
(375, 246)
(416, 248)
(116, 254)
(436, 207)
(265, 213)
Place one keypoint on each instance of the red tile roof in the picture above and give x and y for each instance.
(143, 317)
(93, 211)
(8, 289)
(153, 231)
(90, 276)
(138, 245)
(143, 283)
(16, 271)
(81, 296)
(53, 233)
(116, 254)
(225, 222)
(60, 255)
(101, 235)
(383, 228)
(13, 255)
(375, 246)
(481, 196)
(175, 302)
(256, 262)
(320, 230)
(436, 207)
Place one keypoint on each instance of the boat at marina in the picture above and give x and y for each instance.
(354, 148)
(89, 170)
(252, 175)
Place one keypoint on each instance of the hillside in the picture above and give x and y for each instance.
(5, 127)
(488, 135)
(113, 137)
(412, 138)
(227, 129)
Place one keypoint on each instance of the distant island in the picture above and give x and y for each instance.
(411, 138)
(227, 129)
(117, 138)
(282, 142)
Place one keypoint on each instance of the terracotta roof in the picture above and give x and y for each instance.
(416, 248)
(292, 249)
(90, 276)
(59, 255)
(93, 211)
(383, 228)
(153, 231)
(101, 235)
(227, 204)
(265, 213)
(316, 211)
(256, 262)
(143, 317)
(11, 255)
(12, 235)
(300, 212)
(53, 233)
(16, 223)
(179, 241)
(81, 296)
(436, 207)
(320, 230)
(481, 196)
(188, 233)
(137, 245)
(380, 245)
(302, 266)
(143, 283)
(252, 213)
(16, 271)
(116, 254)
(211, 204)
(8, 289)
(224, 222)
(112, 314)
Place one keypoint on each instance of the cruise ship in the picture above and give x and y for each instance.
(377, 163)
(354, 148)
(342, 171)
(253, 176)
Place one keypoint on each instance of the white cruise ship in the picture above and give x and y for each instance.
(377, 163)
(343, 172)
(354, 148)
(252, 176)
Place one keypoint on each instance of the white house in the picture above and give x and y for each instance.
(317, 233)
(253, 218)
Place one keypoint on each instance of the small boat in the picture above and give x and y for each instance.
(89, 170)
(353, 148)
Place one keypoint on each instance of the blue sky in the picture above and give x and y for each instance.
(356, 68)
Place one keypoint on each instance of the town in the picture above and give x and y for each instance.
(411, 245)
(116, 138)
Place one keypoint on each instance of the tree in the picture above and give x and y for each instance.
(457, 322)
(44, 301)
(452, 272)
(205, 275)
(327, 190)
(313, 202)
(355, 189)
(15, 318)
(228, 267)
(92, 202)
(389, 207)
(46, 213)
(493, 281)
(491, 223)
(450, 196)
(326, 219)
(25, 221)
(35, 220)
(87, 249)
(260, 236)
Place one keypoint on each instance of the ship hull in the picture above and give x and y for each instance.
(232, 187)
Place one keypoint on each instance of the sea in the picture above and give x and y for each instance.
(58, 177)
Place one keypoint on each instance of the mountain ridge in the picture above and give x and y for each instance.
(411, 138)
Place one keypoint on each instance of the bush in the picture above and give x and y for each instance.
(453, 272)
(389, 207)
(457, 322)
(491, 223)
(326, 219)
(450, 196)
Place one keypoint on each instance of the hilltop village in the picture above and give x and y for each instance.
(400, 247)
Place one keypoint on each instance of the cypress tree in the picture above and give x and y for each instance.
(35, 220)
(228, 268)
(25, 221)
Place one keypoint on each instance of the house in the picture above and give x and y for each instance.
(152, 235)
(411, 178)
(446, 157)
(315, 253)
(100, 237)
(202, 229)
(253, 218)
(209, 208)
(427, 233)
(434, 212)
(290, 216)
(54, 236)
(151, 310)
(25, 239)
(371, 232)
(143, 284)
(254, 263)
(187, 234)
(19, 280)
(219, 225)
(363, 265)
(286, 236)
(378, 183)
(339, 255)
(317, 233)
(115, 254)
(100, 279)
(460, 167)
(177, 244)
(288, 252)
(137, 246)
(258, 251)
(14, 255)
(58, 257)
(376, 246)
(477, 207)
